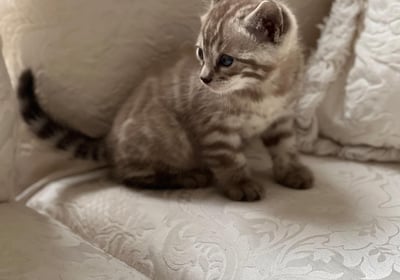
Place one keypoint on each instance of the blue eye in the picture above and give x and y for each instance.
(226, 60)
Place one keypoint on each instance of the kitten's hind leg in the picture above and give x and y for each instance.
(288, 170)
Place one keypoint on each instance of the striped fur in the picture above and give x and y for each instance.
(175, 130)
(45, 127)
(257, 34)
(281, 143)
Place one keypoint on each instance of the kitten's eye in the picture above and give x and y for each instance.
(226, 60)
(200, 54)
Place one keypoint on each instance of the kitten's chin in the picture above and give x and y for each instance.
(220, 91)
(231, 86)
(218, 88)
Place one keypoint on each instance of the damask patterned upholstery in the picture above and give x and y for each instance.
(351, 93)
(346, 228)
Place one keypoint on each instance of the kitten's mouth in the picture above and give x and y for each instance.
(218, 87)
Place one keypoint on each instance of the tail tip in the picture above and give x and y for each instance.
(26, 75)
(26, 83)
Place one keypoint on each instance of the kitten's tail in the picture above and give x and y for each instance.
(45, 127)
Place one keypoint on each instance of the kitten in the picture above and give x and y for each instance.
(188, 126)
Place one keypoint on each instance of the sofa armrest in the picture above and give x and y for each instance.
(37, 247)
(8, 114)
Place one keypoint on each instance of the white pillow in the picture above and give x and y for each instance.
(8, 115)
(88, 54)
(354, 83)
(369, 112)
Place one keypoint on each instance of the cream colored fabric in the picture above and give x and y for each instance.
(89, 54)
(36, 247)
(8, 115)
(350, 107)
(346, 228)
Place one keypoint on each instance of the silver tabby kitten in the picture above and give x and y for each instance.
(188, 126)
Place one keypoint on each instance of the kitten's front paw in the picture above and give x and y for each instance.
(247, 191)
(295, 176)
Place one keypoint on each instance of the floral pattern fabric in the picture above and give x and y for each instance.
(351, 91)
(347, 227)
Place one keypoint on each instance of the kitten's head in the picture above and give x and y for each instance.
(242, 41)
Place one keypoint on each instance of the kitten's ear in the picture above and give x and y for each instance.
(214, 2)
(268, 22)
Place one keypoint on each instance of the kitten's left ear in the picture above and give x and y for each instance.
(268, 22)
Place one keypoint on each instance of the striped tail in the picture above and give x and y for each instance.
(45, 127)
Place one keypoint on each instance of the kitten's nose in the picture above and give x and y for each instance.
(206, 80)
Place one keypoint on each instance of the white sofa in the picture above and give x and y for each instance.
(68, 221)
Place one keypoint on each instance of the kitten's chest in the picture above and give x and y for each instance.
(254, 118)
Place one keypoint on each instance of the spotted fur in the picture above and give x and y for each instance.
(189, 125)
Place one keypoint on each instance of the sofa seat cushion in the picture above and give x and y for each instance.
(347, 227)
(36, 247)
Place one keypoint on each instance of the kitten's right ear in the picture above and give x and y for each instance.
(268, 22)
